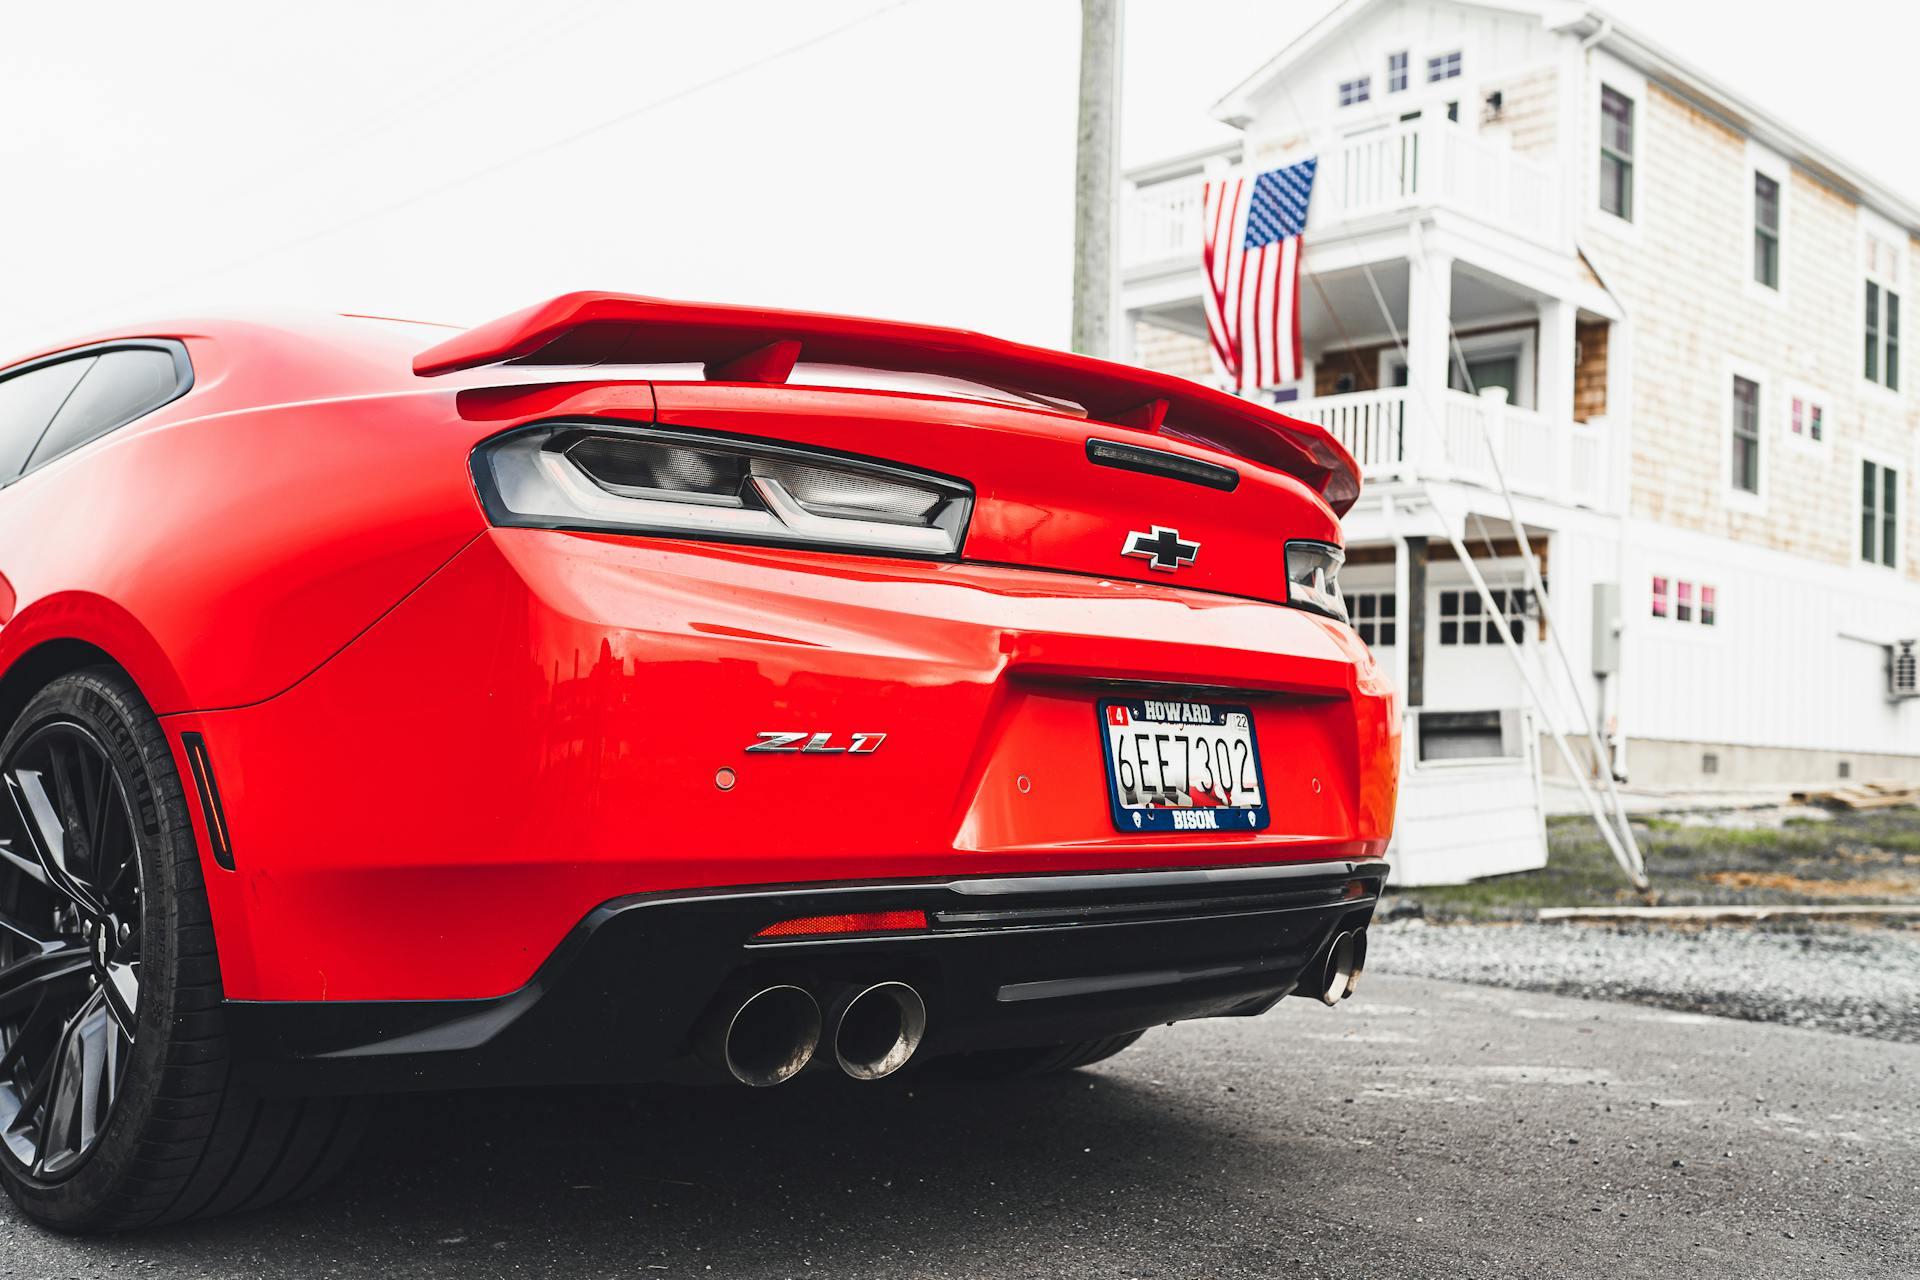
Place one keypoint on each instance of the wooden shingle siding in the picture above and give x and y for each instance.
(1529, 112)
(1171, 351)
(1590, 370)
(1685, 279)
(1362, 364)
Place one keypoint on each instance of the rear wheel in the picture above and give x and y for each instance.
(116, 1108)
(1020, 1064)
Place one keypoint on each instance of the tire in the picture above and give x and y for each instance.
(1043, 1060)
(124, 906)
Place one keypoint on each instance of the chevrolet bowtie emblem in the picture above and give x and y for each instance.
(1161, 548)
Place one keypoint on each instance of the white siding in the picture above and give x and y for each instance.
(1777, 669)
(1493, 46)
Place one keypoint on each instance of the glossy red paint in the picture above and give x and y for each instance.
(441, 744)
(736, 344)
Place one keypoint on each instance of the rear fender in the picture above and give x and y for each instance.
(92, 620)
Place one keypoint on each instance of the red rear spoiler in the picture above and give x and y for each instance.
(750, 344)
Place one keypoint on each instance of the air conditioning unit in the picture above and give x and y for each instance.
(1903, 670)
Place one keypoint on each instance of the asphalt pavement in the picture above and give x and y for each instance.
(1426, 1128)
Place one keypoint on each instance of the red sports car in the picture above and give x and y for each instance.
(631, 690)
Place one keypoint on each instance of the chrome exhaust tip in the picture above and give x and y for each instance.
(767, 1038)
(1338, 973)
(1359, 963)
(876, 1029)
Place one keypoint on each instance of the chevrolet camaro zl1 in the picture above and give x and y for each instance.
(629, 690)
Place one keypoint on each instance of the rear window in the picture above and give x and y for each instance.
(28, 402)
(121, 386)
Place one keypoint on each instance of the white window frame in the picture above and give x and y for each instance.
(1405, 71)
(1668, 627)
(1627, 157)
(1385, 593)
(1762, 162)
(1896, 279)
(1468, 591)
(1736, 498)
(1356, 92)
(1459, 59)
(1886, 462)
(1808, 394)
(1610, 73)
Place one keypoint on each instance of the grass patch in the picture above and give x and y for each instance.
(1869, 858)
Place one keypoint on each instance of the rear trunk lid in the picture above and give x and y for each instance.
(1041, 499)
(1077, 464)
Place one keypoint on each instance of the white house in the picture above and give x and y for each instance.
(1539, 239)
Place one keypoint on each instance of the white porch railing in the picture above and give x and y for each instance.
(1371, 424)
(1396, 435)
(1414, 165)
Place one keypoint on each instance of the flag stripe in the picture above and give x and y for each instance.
(1251, 255)
(1287, 300)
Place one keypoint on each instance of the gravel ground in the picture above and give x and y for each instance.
(1858, 981)
(1421, 1131)
(1776, 857)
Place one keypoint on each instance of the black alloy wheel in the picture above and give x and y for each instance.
(70, 936)
(118, 1102)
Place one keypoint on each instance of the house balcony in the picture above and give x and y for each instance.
(1397, 435)
(1438, 264)
(1375, 178)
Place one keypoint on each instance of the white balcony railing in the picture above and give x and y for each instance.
(1394, 434)
(1415, 165)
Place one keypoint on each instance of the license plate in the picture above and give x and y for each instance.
(1182, 766)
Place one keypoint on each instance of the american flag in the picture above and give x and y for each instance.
(1253, 273)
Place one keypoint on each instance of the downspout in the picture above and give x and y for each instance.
(1616, 741)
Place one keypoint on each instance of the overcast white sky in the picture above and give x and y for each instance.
(910, 158)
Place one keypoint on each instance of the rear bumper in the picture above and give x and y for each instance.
(1007, 961)
(557, 721)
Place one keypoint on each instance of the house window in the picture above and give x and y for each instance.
(1809, 419)
(1766, 231)
(1464, 620)
(1883, 336)
(1444, 67)
(1616, 153)
(1879, 514)
(1397, 71)
(1355, 91)
(1746, 435)
(1681, 601)
(1374, 615)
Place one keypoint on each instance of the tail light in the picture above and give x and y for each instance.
(851, 922)
(608, 478)
(1313, 578)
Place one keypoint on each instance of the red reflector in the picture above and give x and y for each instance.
(853, 922)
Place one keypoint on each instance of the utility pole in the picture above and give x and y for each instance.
(1096, 185)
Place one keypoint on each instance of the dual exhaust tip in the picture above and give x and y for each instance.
(1338, 973)
(773, 1034)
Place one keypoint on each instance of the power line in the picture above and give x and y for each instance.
(521, 157)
